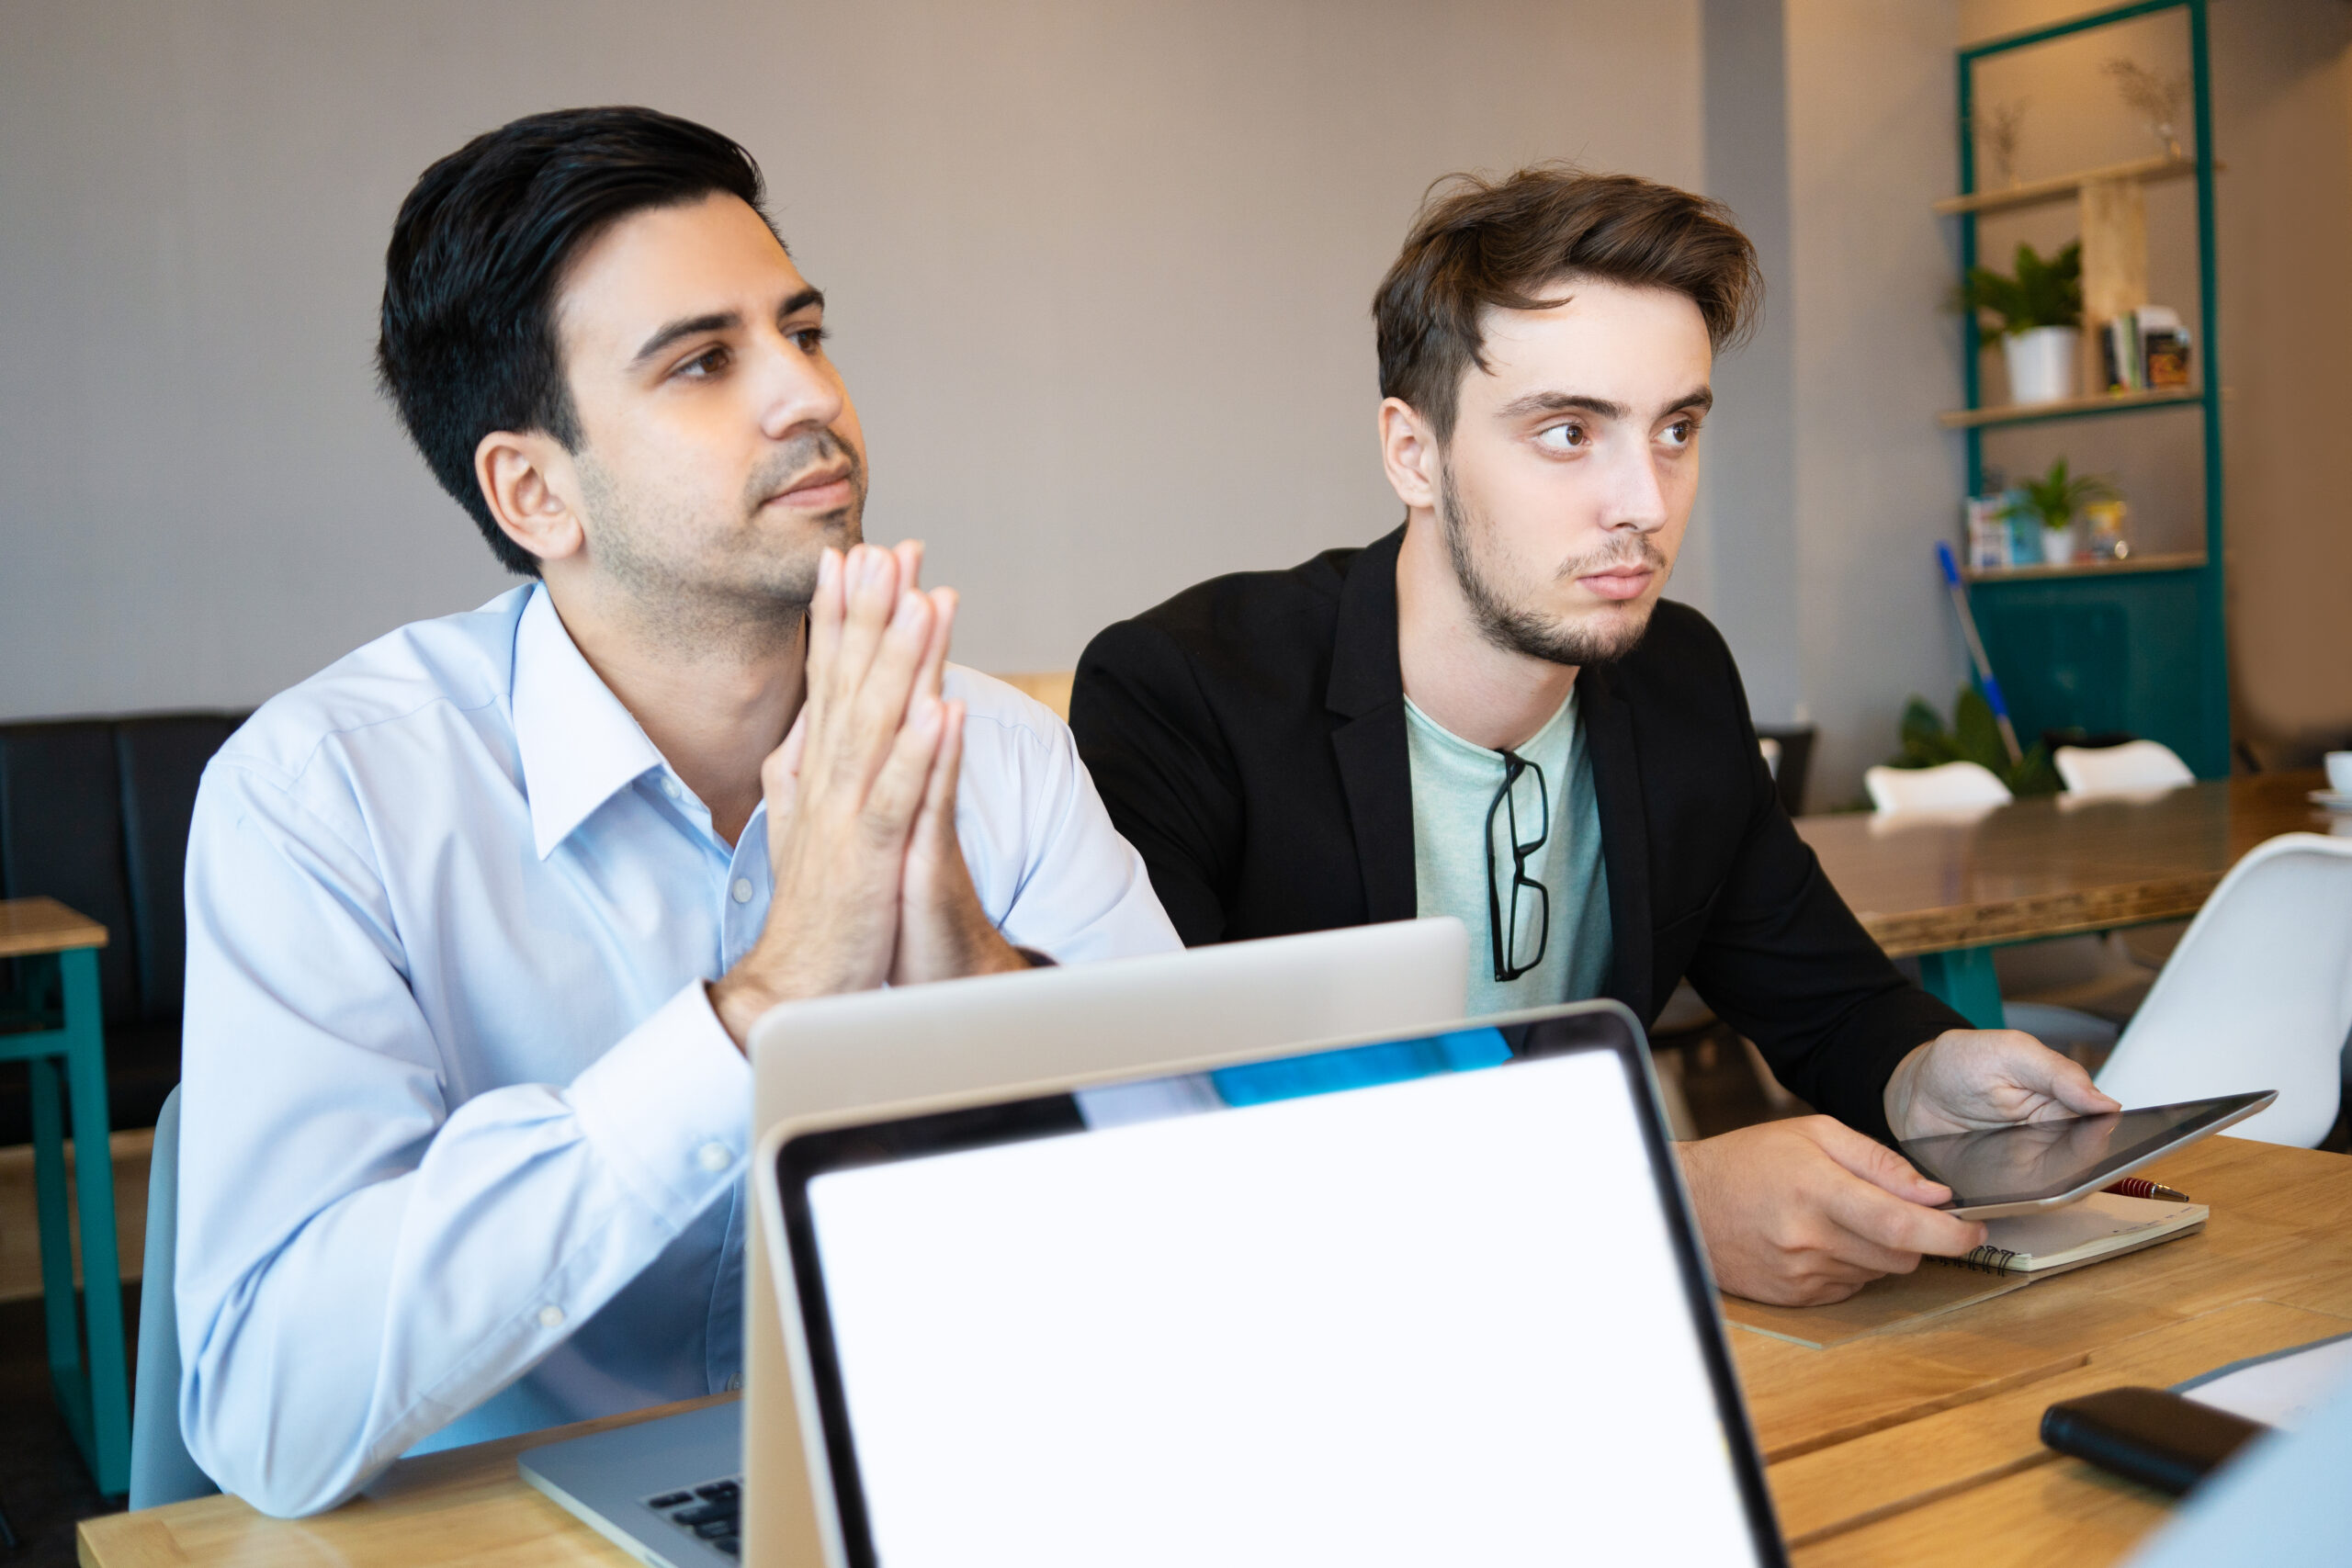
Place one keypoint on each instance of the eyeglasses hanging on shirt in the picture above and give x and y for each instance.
(1515, 924)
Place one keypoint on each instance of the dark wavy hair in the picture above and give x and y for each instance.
(1479, 244)
(468, 342)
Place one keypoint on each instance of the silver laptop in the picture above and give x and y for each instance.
(669, 1492)
(1435, 1299)
(672, 1492)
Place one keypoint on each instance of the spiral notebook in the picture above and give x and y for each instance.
(2102, 1225)
(2018, 1249)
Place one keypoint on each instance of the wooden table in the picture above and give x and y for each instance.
(1914, 1446)
(1949, 891)
(50, 1021)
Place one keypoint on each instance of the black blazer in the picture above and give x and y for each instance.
(1249, 738)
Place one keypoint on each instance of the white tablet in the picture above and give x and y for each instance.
(2042, 1165)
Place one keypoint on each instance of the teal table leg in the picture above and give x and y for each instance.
(1963, 980)
(85, 1069)
(57, 1251)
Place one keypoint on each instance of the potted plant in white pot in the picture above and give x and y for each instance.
(2039, 313)
(2054, 500)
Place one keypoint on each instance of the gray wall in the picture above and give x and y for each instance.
(1100, 275)
(1870, 108)
(1741, 559)
(2283, 96)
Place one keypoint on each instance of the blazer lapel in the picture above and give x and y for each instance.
(1624, 837)
(1367, 693)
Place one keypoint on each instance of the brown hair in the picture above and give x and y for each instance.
(1478, 244)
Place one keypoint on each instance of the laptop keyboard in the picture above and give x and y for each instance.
(713, 1511)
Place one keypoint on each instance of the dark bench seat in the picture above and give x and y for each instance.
(94, 812)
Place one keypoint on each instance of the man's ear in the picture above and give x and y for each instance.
(1408, 453)
(533, 490)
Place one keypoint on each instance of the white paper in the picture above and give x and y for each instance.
(2283, 1391)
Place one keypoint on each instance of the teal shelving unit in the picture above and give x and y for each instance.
(2136, 645)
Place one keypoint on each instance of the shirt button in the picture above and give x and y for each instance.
(742, 890)
(669, 788)
(550, 1318)
(734, 1382)
(715, 1157)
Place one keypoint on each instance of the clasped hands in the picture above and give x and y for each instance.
(870, 882)
(1808, 1211)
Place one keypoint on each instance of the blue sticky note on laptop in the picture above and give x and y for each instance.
(1360, 1067)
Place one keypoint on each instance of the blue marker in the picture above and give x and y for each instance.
(1984, 681)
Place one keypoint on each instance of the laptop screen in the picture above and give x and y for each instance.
(1445, 1317)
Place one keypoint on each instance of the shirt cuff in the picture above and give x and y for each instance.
(670, 1107)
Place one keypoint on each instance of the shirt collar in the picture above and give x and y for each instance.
(579, 746)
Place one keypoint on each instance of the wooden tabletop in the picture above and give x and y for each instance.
(463, 1506)
(1917, 1444)
(43, 925)
(2048, 867)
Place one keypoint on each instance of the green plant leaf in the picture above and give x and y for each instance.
(2058, 495)
(1974, 738)
(2044, 292)
(2033, 774)
(1975, 735)
(1924, 741)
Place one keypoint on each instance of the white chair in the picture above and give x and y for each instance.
(1947, 787)
(2134, 767)
(2259, 994)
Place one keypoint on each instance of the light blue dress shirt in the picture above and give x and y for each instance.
(463, 1144)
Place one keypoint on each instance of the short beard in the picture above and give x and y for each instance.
(1515, 628)
(739, 599)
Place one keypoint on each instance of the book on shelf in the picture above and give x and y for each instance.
(2146, 350)
(2164, 348)
(1989, 547)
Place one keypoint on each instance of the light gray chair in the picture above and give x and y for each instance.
(2259, 994)
(1948, 786)
(161, 1470)
(2134, 767)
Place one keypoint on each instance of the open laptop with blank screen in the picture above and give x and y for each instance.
(1121, 1017)
(1429, 1299)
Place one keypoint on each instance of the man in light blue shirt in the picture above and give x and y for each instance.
(480, 917)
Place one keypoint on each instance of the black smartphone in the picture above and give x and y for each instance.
(2148, 1435)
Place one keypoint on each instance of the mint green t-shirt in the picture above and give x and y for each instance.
(1453, 787)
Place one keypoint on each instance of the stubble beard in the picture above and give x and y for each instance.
(692, 587)
(1515, 628)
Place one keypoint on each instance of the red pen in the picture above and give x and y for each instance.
(2141, 1187)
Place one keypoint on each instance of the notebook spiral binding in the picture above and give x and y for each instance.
(1988, 1261)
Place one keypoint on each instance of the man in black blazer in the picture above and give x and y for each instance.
(1490, 713)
